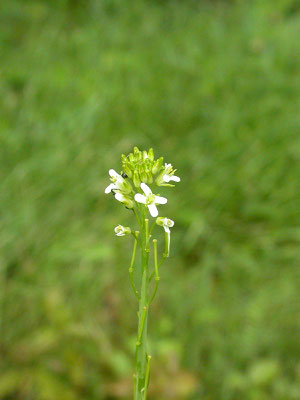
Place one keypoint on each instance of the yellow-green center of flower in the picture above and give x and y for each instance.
(151, 199)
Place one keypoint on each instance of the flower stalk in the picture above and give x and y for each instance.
(132, 266)
(130, 187)
(141, 344)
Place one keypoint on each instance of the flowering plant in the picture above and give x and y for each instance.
(131, 187)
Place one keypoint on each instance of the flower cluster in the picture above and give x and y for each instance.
(141, 167)
(131, 187)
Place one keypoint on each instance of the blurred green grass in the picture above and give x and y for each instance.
(212, 86)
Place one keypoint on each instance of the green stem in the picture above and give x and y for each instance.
(167, 245)
(141, 346)
(137, 216)
(141, 331)
(147, 376)
(157, 278)
(136, 236)
(152, 227)
(159, 265)
(132, 265)
(147, 234)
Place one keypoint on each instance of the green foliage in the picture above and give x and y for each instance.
(212, 86)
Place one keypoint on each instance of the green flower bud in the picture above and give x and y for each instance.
(160, 179)
(131, 157)
(157, 165)
(127, 170)
(126, 186)
(149, 176)
(136, 179)
(128, 202)
(137, 154)
(151, 154)
(144, 177)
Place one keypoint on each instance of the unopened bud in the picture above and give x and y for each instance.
(127, 171)
(144, 177)
(126, 186)
(151, 154)
(131, 157)
(136, 179)
(128, 202)
(157, 165)
(137, 154)
(149, 176)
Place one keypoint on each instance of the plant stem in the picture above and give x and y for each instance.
(158, 267)
(157, 278)
(147, 376)
(141, 344)
(132, 266)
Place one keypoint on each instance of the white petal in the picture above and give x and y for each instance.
(140, 198)
(167, 229)
(110, 188)
(170, 223)
(113, 173)
(168, 165)
(174, 178)
(119, 197)
(145, 188)
(160, 200)
(166, 178)
(153, 210)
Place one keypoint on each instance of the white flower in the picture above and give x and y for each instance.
(121, 230)
(149, 199)
(118, 183)
(166, 223)
(116, 179)
(124, 199)
(169, 174)
(166, 176)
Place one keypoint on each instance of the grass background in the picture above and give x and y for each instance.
(212, 86)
